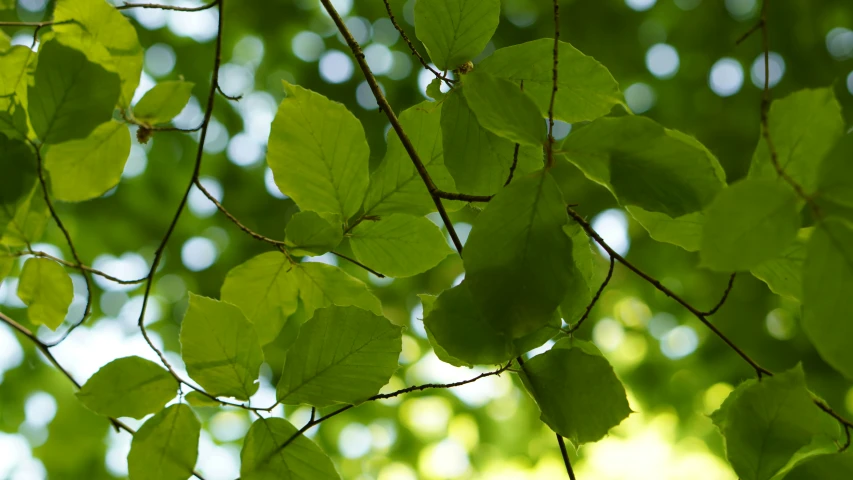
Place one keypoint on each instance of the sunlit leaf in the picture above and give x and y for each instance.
(322, 285)
(514, 117)
(128, 387)
(399, 245)
(455, 31)
(163, 102)
(166, 446)
(46, 289)
(310, 234)
(262, 457)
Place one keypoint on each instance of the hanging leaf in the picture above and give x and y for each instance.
(515, 117)
(47, 290)
(399, 245)
(342, 355)
(128, 387)
(220, 348)
(262, 457)
(455, 31)
(166, 446)
(163, 102)
(310, 234)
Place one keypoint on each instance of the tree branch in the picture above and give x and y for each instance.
(554, 87)
(724, 297)
(595, 298)
(565, 454)
(68, 264)
(128, 6)
(411, 46)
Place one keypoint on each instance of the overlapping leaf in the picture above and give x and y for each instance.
(166, 446)
(128, 387)
(262, 457)
(455, 31)
(46, 289)
(399, 245)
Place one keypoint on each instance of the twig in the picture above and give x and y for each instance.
(463, 196)
(128, 6)
(395, 123)
(565, 454)
(232, 218)
(550, 147)
(411, 46)
(233, 98)
(68, 264)
(759, 370)
(596, 297)
(514, 155)
(724, 298)
(358, 264)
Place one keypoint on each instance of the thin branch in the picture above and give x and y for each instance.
(724, 297)
(35, 24)
(358, 264)
(395, 123)
(411, 46)
(128, 6)
(749, 32)
(514, 155)
(463, 197)
(233, 219)
(68, 264)
(565, 454)
(596, 297)
(759, 370)
(79, 263)
(846, 424)
(554, 87)
(233, 98)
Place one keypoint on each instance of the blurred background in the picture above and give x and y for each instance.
(675, 60)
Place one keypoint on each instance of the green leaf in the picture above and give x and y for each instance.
(128, 387)
(684, 231)
(342, 355)
(582, 414)
(18, 171)
(479, 160)
(399, 245)
(645, 165)
(518, 260)
(748, 223)
(310, 234)
(428, 301)
(835, 180)
(87, 168)
(322, 285)
(396, 186)
(71, 95)
(825, 467)
(262, 458)
(198, 399)
(455, 31)
(166, 446)
(318, 153)
(582, 285)
(767, 423)
(515, 117)
(15, 68)
(266, 289)
(163, 102)
(433, 90)
(47, 290)
(799, 150)
(220, 348)
(827, 284)
(586, 89)
(7, 261)
(23, 223)
(783, 274)
(105, 26)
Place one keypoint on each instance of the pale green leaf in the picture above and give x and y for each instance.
(577, 391)
(586, 89)
(515, 117)
(399, 245)
(322, 285)
(342, 355)
(87, 168)
(684, 231)
(166, 446)
(479, 160)
(433, 90)
(748, 223)
(46, 289)
(128, 387)
(7, 261)
(827, 287)
(16, 66)
(107, 27)
(318, 153)
(163, 102)
(804, 127)
(396, 186)
(266, 289)
(71, 95)
(783, 274)
(645, 165)
(262, 457)
(455, 31)
(23, 223)
(310, 234)
(220, 348)
(765, 424)
(518, 260)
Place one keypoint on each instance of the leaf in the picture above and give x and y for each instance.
(322, 285)
(15, 67)
(107, 27)
(586, 89)
(766, 423)
(479, 160)
(266, 290)
(128, 387)
(7, 261)
(198, 399)
(47, 290)
(428, 301)
(318, 153)
(581, 287)
(342, 355)
(518, 260)
(166, 446)
(684, 231)
(514, 117)
(748, 223)
(838, 466)
(455, 31)
(783, 274)
(827, 283)
(71, 95)
(163, 102)
(24, 222)
(84, 169)
(835, 178)
(396, 186)
(645, 165)
(262, 458)
(310, 234)
(582, 414)
(17, 171)
(399, 245)
(799, 150)
(220, 348)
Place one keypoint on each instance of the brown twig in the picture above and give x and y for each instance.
(595, 298)
(412, 47)
(68, 264)
(565, 454)
(233, 98)
(514, 155)
(724, 297)
(554, 87)
(128, 6)
(358, 264)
